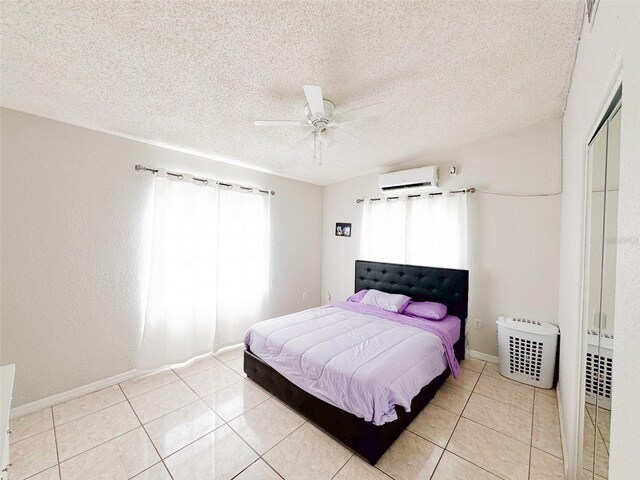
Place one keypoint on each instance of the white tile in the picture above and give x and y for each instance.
(81, 406)
(499, 416)
(213, 379)
(259, 470)
(236, 399)
(140, 385)
(49, 474)
(91, 430)
(601, 454)
(452, 467)
(434, 424)
(493, 370)
(466, 379)
(473, 364)
(307, 453)
(257, 385)
(163, 400)
(136, 451)
(265, 425)
(196, 365)
(237, 365)
(551, 392)
(157, 472)
(546, 425)
(588, 475)
(604, 426)
(181, 427)
(99, 463)
(546, 408)
(357, 469)
(512, 393)
(33, 455)
(219, 455)
(452, 398)
(410, 457)
(545, 466)
(29, 425)
(120, 458)
(498, 453)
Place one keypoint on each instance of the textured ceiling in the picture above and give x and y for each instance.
(196, 74)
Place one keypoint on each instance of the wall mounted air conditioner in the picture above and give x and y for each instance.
(424, 177)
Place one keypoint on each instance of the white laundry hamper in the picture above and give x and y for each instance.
(599, 369)
(527, 350)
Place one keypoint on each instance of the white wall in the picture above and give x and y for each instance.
(74, 226)
(610, 49)
(513, 242)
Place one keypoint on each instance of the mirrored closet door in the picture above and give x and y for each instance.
(604, 159)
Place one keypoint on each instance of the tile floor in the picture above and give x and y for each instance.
(205, 420)
(597, 438)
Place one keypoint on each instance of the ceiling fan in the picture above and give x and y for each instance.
(321, 123)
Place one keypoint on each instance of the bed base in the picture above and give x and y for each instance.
(366, 439)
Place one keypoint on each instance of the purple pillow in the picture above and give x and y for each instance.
(386, 301)
(356, 297)
(428, 310)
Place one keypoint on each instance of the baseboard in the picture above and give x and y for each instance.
(483, 356)
(73, 393)
(89, 388)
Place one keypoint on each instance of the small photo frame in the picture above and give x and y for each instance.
(343, 229)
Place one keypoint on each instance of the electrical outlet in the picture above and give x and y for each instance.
(477, 323)
(305, 295)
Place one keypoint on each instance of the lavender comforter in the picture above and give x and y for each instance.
(358, 358)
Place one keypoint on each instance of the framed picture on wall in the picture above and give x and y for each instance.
(343, 229)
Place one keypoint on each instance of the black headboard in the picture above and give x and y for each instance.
(442, 285)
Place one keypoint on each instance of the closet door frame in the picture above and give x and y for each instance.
(609, 108)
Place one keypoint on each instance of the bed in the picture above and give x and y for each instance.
(365, 437)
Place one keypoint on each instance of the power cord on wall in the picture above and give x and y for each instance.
(519, 194)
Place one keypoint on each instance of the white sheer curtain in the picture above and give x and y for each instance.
(208, 279)
(180, 319)
(437, 231)
(243, 265)
(383, 230)
(430, 231)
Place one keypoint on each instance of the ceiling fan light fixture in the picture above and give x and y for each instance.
(328, 111)
(325, 135)
(322, 125)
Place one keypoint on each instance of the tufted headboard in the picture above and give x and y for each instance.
(443, 285)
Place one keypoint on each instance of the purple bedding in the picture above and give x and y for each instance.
(356, 357)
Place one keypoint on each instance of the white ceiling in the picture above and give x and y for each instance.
(196, 74)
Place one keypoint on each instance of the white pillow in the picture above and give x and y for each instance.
(386, 301)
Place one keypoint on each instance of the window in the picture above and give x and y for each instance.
(208, 278)
(429, 231)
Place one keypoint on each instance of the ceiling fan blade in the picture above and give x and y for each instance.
(343, 136)
(279, 123)
(306, 141)
(362, 112)
(314, 99)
